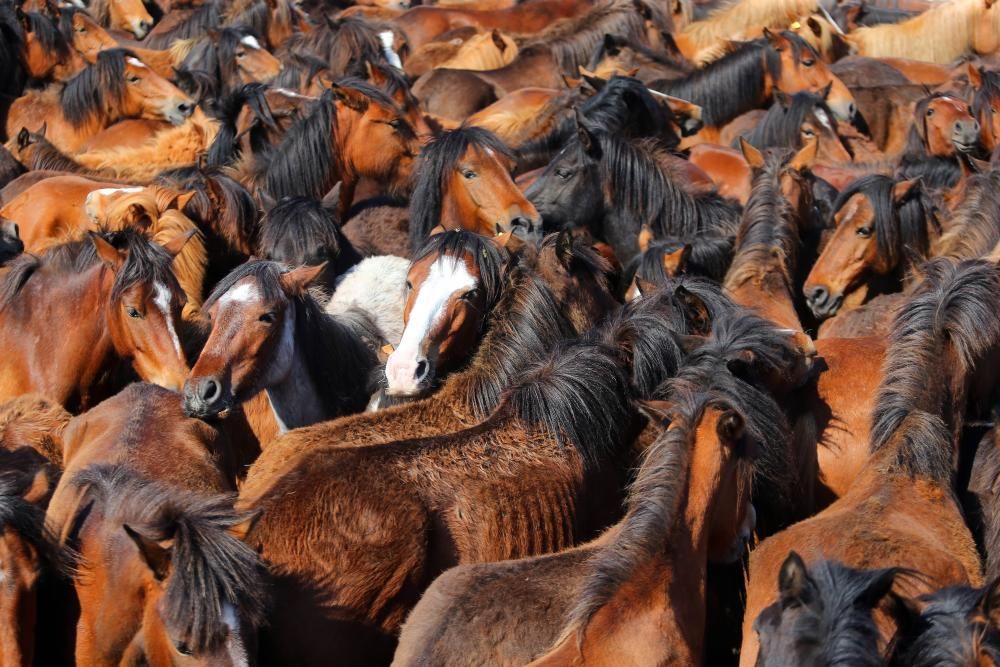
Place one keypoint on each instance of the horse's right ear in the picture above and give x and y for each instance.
(814, 26)
(298, 280)
(975, 75)
(156, 553)
(675, 262)
(498, 40)
(587, 138)
(436, 229)
(107, 252)
(23, 139)
(657, 412)
(43, 129)
(645, 237)
(753, 156)
(611, 46)
(904, 189)
(176, 244)
(794, 584)
(989, 603)
(40, 485)
(695, 309)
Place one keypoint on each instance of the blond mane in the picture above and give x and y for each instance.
(480, 53)
(740, 16)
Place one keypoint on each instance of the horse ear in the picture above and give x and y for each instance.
(670, 44)
(587, 138)
(571, 82)
(352, 99)
(39, 487)
(794, 584)
(879, 586)
(498, 40)
(975, 75)
(806, 155)
(695, 309)
(904, 189)
(23, 139)
(156, 553)
(331, 200)
(298, 280)
(564, 247)
(989, 603)
(437, 229)
(738, 363)
(814, 26)
(23, 19)
(645, 237)
(690, 342)
(777, 41)
(176, 244)
(753, 156)
(182, 200)
(107, 252)
(267, 202)
(591, 78)
(611, 46)
(730, 427)
(43, 129)
(825, 93)
(243, 528)
(657, 412)
(674, 262)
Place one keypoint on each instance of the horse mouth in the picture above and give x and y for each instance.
(963, 147)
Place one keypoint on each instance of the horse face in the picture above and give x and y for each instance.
(144, 323)
(254, 63)
(850, 253)
(250, 348)
(442, 317)
(380, 145)
(150, 96)
(39, 60)
(727, 450)
(130, 16)
(481, 196)
(802, 69)
(89, 38)
(947, 126)
(568, 193)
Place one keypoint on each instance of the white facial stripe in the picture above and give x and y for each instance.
(243, 293)
(250, 41)
(387, 38)
(104, 192)
(234, 642)
(447, 276)
(824, 119)
(161, 297)
(136, 62)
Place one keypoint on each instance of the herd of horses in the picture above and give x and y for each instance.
(559, 332)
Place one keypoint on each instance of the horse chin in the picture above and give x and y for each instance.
(138, 29)
(844, 110)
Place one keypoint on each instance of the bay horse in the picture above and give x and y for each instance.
(974, 228)
(186, 586)
(824, 615)
(793, 120)
(269, 334)
(747, 78)
(116, 87)
(943, 126)
(353, 130)
(883, 227)
(126, 15)
(689, 503)
(463, 181)
(229, 56)
(124, 300)
(900, 511)
(572, 409)
(47, 54)
(612, 185)
(344, 44)
(661, 260)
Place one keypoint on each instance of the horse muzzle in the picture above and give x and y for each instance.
(822, 303)
(965, 135)
(205, 397)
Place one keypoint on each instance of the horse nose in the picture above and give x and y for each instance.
(421, 370)
(209, 390)
(965, 133)
(145, 26)
(817, 296)
(852, 109)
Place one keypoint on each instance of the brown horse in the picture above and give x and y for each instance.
(690, 503)
(463, 181)
(126, 15)
(883, 228)
(943, 126)
(900, 511)
(185, 586)
(121, 297)
(116, 87)
(986, 105)
(380, 552)
(270, 334)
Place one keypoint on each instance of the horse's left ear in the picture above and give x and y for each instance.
(674, 262)
(107, 252)
(814, 26)
(181, 201)
(777, 40)
(564, 247)
(794, 583)
(176, 244)
(498, 40)
(879, 586)
(806, 155)
(657, 412)
(243, 528)
(751, 154)
(904, 189)
(587, 138)
(39, 487)
(298, 280)
(352, 99)
(730, 426)
(156, 553)
(989, 603)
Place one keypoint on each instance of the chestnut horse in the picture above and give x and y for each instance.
(185, 586)
(463, 181)
(269, 334)
(689, 503)
(126, 15)
(116, 87)
(354, 130)
(900, 511)
(122, 300)
(549, 458)
(943, 126)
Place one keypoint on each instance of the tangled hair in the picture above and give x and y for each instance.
(300, 230)
(438, 160)
(87, 95)
(210, 568)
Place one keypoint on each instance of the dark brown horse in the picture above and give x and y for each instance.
(119, 295)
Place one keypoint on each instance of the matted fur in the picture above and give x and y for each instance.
(736, 16)
(480, 52)
(93, 94)
(974, 229)
(31, 420)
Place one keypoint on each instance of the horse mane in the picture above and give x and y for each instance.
(935, 171)
(578, 393)
(85, 97)
(571, 41)
(25, 518)
(781, 125)
(984, 96)
(144, 262)
(709, 256)
(65, 22)
(641, 48)
(345, 44)
(306, 225)
(336, 349)
(41, 154)
(951, 307)
(299, 70)
(900, 232)
(643, 191)
(210, 567)
(731, 85)
(985, 472)
(438, 159)
(215, 55)
(305, 160)
(734, 17)
(768, 237)
(201, 20)
(49, 35)
(975, 225)
(254, 14)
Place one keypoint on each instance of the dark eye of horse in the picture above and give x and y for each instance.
(240, 54)
(930, 112)
(133, 313)
(864, 232)
(267, 318)
(82, 29)
(468, 174)
(183, 648)
(564, 173)
(395, 123)
(471, 294)
(133, 79)
(808, 63)
(809, 133)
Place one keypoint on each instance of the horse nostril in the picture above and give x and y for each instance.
(209, 391)
(421, 371)
(818, 295)
(521, 221)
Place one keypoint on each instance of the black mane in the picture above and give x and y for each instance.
(345, 44)
(781, 125)
(302, 228)
(86, 96)
(975, 224)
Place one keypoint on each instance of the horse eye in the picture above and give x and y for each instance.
(183, 648)
(809, 133)
(82, 29)
(240, 54)
(864, 232)
(409, 285)
(808, 63)
(469, 174)
(395, 123)
(267, 318)
(133, 313)
(471, 294)
(133, 79)
(930, 112)
(564, 173)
